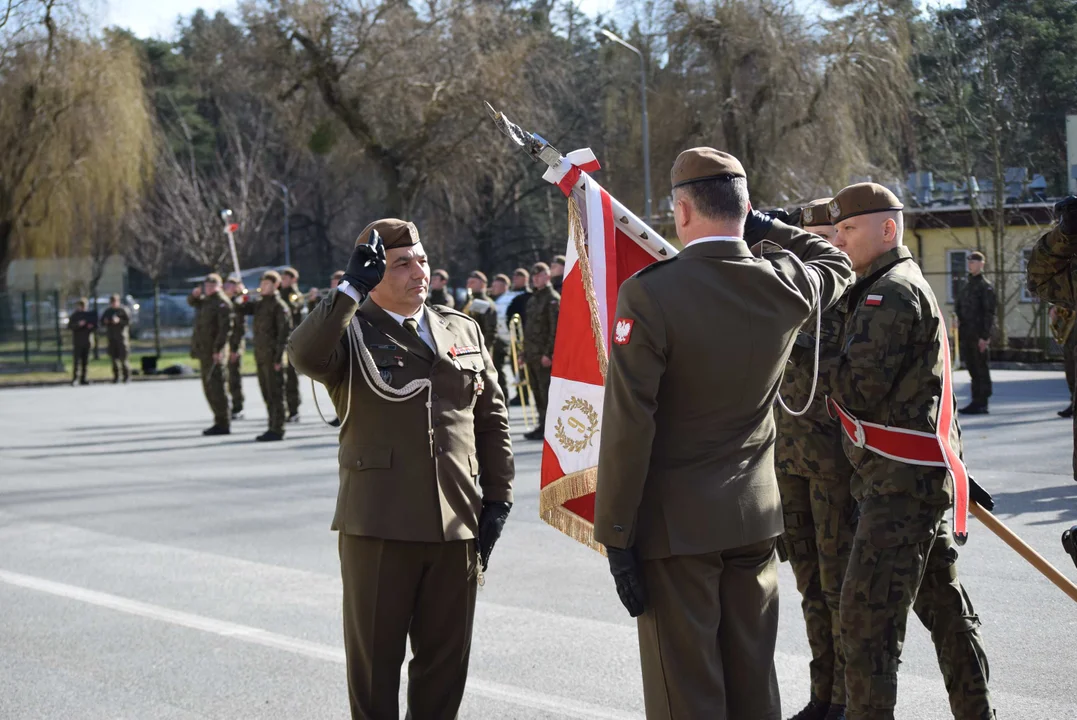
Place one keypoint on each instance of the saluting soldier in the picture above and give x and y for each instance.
(480, 308)
(439, 295)
(423, 471)
(237, 344)
(813, 478)
(893, 390)
(975, 309)
(213, 320)
(289, 291)
(1052, 272)
(540, 331)
(82, 324)
(272, 325)
(117, 322)
(687, 501)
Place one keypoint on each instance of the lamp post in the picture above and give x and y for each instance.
(287, 240)
(603, 36)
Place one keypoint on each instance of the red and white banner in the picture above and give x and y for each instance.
(615, 244)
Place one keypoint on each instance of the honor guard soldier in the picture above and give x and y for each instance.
(893, 394)
(272, 325)
(540, 331)
(82, 324)
(480, 308)
(426, 471)
(289, 291)
(975, 308)
(439, 295)
(1052, 272)
(237, 344)
(117, 323)
(813, 478)
(687, 501)
(213, 320)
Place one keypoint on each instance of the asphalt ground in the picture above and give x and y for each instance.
(147, 572)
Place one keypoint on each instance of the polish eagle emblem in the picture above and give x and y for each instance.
(622, 332)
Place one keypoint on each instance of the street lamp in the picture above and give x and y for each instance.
(606, 36)
(287, 241)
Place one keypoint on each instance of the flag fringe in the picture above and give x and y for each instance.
(579, 237)
(575, 527)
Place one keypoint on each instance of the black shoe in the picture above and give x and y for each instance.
(293, 418)
(974, 409)
(84, 381)
(269, 436)
(836, 712)
(536, 434)
(515, 402)
(335, 422)
(815, 710)
(237, 414)
(115, 380)
(1067, 413)
(217, 430)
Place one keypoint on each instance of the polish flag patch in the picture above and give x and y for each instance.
(873, 300)
(622, 331)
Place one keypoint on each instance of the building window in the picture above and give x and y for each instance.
(1026, 296)
(958, 262)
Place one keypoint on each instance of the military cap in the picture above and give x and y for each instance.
(977, 255)
(559, 259)
(271, 275)
(213, 278)
(338, 275)
(233, 278)
(540, 267)
(502, 277)
(704, 163)
(862, 199)
(815, 213)
(394, 233)
(478, 275)
(522, 272)
(290, 272)
(443, 274)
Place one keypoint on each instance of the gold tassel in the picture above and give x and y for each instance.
(579, 237)
(571, 486)
(575, 527)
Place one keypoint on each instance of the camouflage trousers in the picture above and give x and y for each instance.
(271, 383)
(540, 386)
(818, 538)
(213, 385)
(291, 387)
(118, 353)
(903, 559)
(235, 383)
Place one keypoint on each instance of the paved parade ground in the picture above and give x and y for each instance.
(149, 573)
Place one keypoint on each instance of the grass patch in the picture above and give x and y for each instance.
(98, 370)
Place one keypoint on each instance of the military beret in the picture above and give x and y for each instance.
(271, 275)
(213, 278)
(815, 213)
(394, 233)
(862, 199)
(559, 259)
(443, 274)
(977, 255)
(704, 163)
(502, 277)
(540, 267)
(290, 272)
(338, 275)
(522, 272)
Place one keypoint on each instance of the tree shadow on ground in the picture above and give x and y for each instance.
(1061, 501)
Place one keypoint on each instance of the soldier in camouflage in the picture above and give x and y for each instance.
(117, 321)
(975, 308)
(540, 330)
(289, 291)
(890, 373)
(813, 478)
(237, 344)
(272, 326)
(1052, 270)
(213, 320)
(480, 308)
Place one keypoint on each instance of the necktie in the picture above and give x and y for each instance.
(412, 326)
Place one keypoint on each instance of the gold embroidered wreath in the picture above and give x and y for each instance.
(589, 433)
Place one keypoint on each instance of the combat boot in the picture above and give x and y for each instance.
(269, 436)
(836, 712)
(1067, 413)
(815, 710)
(217, 430)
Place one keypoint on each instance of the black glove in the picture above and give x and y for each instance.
(756, 226)
(789, 218)
(367, 264)
(980, 496)
(628, 576)
(1066, 210)
(491, 523)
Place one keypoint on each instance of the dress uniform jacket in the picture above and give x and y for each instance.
(686, 463)
(392, 486)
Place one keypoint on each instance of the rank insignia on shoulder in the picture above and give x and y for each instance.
(622, 331)
(873, 300)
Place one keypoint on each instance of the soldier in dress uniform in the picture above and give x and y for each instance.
(289, 291)
(557, 272)
(117, 322)
(540, 331)
(425, 475)
(439, 295)
(1052, 271)
(272, 325)
(213, 320)
(237, 344)
(975, 308)
(480, 308)
(687, 501)
(893, 379)
(813, 478)
(82, 324)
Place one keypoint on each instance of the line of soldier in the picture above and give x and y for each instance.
(535, 298)
(115, 322)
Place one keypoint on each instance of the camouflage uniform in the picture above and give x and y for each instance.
(1052, 276)
(119, 341)
(975, 308)
(81, 341)
(813, 477)
(539, 334)
(481, 309)
(902, 558)
(212, 329)
(294, 300)
(440, 297)
(272, 326)
(237, 343)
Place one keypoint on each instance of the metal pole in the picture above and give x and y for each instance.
(25, 329)
(37, 308)
(59, 337)
(646, 140)
(287, 239)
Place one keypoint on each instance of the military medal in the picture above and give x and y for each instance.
(480, 384)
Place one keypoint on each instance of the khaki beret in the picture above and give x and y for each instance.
(271, 275)
(522, 272)
(338, 275)
(213, 278)
(977, 255)
(559, 259)
(540, 267)
(862, 199)
(704, 163)
(394, 233)
(502, 277)
(815, 213)
(443, 274)
(478, 275)
(290, 272)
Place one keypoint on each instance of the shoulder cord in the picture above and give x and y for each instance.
(818, 331)
(357, 349)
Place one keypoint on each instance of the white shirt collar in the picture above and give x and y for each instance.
(419, 317)
(717, 238)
